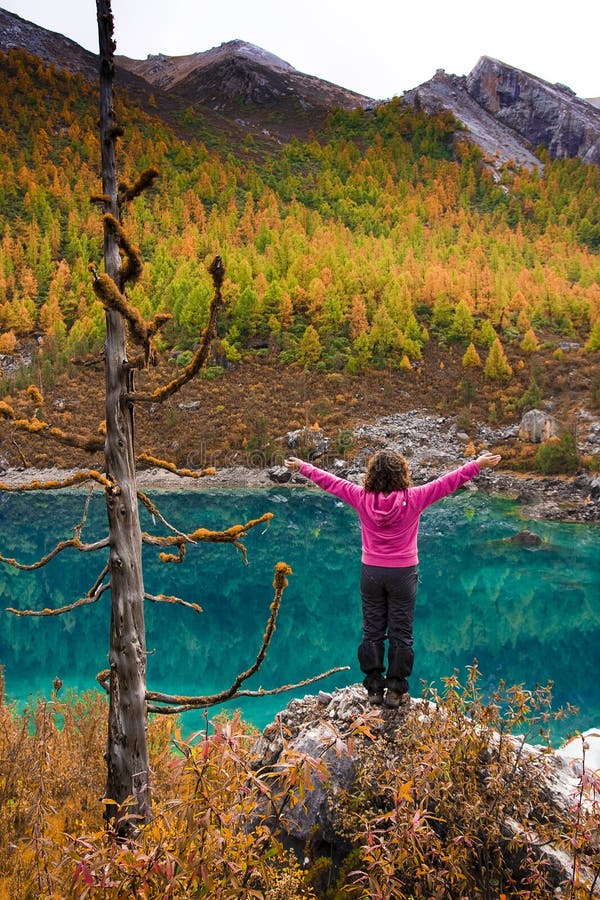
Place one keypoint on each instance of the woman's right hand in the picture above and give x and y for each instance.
(488, 460)
(293, 463)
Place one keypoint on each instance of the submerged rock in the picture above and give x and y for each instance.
(524, 539)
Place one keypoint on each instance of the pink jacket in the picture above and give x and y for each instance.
(390, 523)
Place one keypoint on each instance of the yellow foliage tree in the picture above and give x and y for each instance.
(530, 343)
(497, 366)
(471, 358)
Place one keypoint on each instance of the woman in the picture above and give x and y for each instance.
(389, 509)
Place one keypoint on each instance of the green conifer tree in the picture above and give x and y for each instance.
(471, 358)
(497, 366)
(462, 325)
(310, 348)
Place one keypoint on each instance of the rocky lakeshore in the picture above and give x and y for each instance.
(360, 748)
(432, 444)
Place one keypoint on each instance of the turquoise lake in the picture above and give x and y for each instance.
(528, 616)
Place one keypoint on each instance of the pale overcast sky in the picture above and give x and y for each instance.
(378, 48)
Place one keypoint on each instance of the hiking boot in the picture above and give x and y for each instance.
(393, 698)
(375, 696)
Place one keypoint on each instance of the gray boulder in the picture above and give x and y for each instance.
(537, 426)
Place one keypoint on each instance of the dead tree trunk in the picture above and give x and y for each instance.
(127, 751)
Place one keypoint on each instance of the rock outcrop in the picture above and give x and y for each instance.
(537, 426)
(508, 113)
(450, 93)
(353, 748)
(541, 113)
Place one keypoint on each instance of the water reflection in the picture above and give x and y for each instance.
(528, 614)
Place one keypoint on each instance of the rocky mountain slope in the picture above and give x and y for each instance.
(255, 88)
(509, 113)
(238, 71)
(505, 111)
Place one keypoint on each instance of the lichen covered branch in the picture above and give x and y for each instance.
(53, 485)
(200, 357)
(128, 191)
(73, 542)
(36, 426)
(282, 570)
(259, 692)
(171, 467)
(232, 535)
(165, 598)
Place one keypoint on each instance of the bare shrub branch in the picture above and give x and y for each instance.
(156, 513)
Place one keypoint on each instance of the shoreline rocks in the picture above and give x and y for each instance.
(432, 445)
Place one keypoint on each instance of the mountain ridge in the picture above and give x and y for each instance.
(507, 112)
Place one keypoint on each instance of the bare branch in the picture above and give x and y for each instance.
(77, 478)
(84, 601)
(171, 467)
(165, 598)
(86, 507)
(217, 271)
(62, 545)
(260, 692)
(155, 512)
(282, 570)
(98, 581)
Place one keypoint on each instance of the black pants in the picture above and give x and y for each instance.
(388, 603)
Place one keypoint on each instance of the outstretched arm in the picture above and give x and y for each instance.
(339, 487)
(426, 494)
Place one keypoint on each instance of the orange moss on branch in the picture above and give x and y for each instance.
(166, 598)
(171, 467)
(36, 426)
(83, 601)
(131, 267)
(128, 191)
(199, 359)
(111, 298)
(231, 535)
(91, 444)
(53, 485)
(173, 557)
(75, 543)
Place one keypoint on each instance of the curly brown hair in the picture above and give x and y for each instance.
(387, 471)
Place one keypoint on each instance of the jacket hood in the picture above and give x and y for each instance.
(385, 510)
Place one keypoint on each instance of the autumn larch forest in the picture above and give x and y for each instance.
(381, 257)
